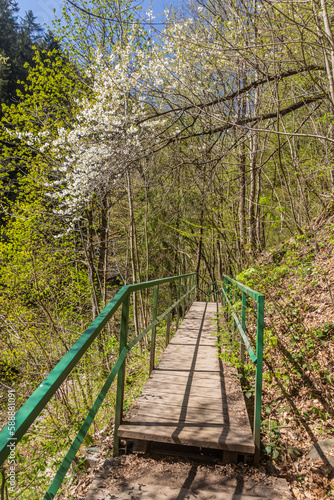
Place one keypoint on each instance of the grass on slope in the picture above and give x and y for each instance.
(298, 390)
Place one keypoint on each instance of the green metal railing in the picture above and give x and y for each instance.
(186, 287)
(27, 414)
(230, 291)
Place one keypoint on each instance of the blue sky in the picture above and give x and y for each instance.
(43, 9)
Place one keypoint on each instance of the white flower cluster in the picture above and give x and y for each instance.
(107, 138)
(138, 80)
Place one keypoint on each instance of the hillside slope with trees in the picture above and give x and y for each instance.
(297, 280)
(134, 151)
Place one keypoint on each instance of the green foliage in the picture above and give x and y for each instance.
(43, 285)
(17, 40)
(292, 348)
(45, 294)
(93, 29)
(229, 347)
(47, 101)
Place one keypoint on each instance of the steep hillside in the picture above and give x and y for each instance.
(298, 402)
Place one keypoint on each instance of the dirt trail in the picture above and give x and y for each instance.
(135, 477)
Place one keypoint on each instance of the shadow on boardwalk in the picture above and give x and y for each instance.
(192, 398)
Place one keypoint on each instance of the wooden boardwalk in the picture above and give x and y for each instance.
(192, 398)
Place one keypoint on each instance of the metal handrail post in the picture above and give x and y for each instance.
(217, 291)
(185, 297)
(121, 374)
(169, 314)
(154, 328)
(235, 300)
(224, 300)
(258, 377)
(243, 325)
(178, 303)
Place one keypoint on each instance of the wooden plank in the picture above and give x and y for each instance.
(196, 374)
(144, 415)
(222, 437)
(184, 372)
(195, 404)
(201, 380)
(192, 403)
(164, 392)
(158, 409)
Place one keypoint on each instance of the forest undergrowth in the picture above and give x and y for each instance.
(296, 278)
(42, 449)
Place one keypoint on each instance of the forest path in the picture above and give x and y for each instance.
(190, 422)
(192, 397)
(134, 477)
